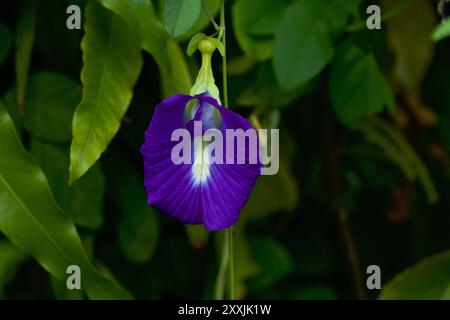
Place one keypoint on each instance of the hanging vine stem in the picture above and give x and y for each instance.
(221, 274)
(229, 232)
(210, 16)
(227, 258)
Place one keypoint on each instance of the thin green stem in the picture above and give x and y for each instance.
(231, 262)
(208, 13)
(224, 59)
(229, 237)
(221, 275)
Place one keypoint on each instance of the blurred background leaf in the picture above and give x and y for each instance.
(429, 279)
(24, 39)
(181, 15)
(83, 200)
(254, 24)
(5, 42)
(363, 115)
(357, 86)
(10, 259)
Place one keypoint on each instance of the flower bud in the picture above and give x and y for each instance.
(205, 80)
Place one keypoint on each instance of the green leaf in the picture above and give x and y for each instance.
(140, 14)
(30, 218)
(397, 147)
(146, 26)
(138, 229)
(138, 232)
(112, 62)
(24, 46)
(5, 42)
(181, 15)
(51, 101)
(10, 258)
(357, 86)
(265, 91)
(408, 34)
(304, 39)
(266, 25)
(203, 21)
(83, 200)
(427, 280)
(442, 31)
(315, 293)
(60, 291)
(59, 288)
(274, 260)
(247, 15)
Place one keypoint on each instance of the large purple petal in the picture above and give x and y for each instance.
(212, 195)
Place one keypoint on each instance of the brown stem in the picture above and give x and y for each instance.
(336, 197)
(352, 254)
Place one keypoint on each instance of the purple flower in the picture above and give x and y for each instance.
(194, 192)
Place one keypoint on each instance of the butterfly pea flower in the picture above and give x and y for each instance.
(207, 187)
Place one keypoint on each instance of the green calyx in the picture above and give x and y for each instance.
(205, 81)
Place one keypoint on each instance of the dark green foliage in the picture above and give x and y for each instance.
(364, 119)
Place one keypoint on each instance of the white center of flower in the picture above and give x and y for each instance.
(200, 171)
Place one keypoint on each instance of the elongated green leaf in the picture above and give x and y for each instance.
(30, 218)
(390, 149)
(175, 74)
(51, 101)
(304, 39)
(59, 288)
(357, 86)
(10, 258)
(428, 280)
(408, 156)
(181, 15)
(60, 291)
(83, 200)
(5, 42)
(112, 62)
(145, 23)
(442, 31)
(248, 17)
(24, 46)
